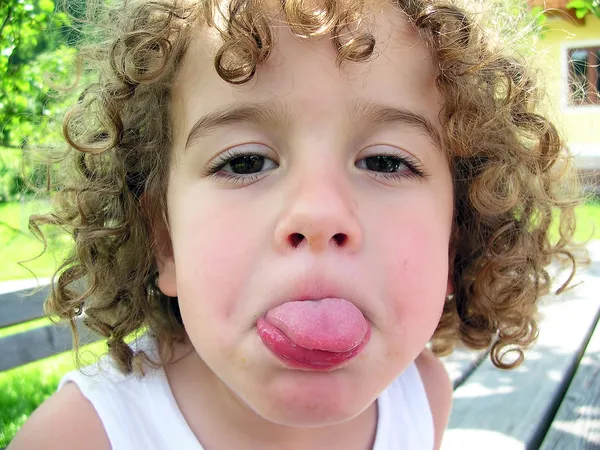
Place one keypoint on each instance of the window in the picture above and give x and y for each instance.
(584, 76)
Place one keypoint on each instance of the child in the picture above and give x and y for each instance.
(291, 201)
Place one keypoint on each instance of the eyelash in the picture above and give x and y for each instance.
(415, 168)
(213, 169)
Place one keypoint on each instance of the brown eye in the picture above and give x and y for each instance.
(391, 166)
(244, 165)
(383, 163)
(238, 166)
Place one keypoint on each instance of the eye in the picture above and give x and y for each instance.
(237, 165)
(383, 163)
(392, 166)
(248, 164)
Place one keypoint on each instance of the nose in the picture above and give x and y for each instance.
(322, 214)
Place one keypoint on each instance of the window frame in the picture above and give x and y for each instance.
(566, 49)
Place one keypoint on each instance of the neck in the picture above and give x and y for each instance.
(220, 419)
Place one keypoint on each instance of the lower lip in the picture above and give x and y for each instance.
(302, 358)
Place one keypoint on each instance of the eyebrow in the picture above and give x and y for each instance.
(378, 114)
(276, 113)
(273, 113)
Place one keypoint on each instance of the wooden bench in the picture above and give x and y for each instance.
(551, 402)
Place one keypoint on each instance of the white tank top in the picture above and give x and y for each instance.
(142, 414)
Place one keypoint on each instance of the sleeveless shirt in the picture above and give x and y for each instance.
(140, 413)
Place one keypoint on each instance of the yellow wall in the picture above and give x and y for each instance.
(580, 125)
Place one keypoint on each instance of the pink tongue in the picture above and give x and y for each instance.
(331, 324)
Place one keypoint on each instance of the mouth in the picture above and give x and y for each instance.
(317, 335)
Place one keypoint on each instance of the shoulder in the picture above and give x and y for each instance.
(439, 391)
(64, 421)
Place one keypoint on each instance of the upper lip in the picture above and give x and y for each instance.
(316, 287)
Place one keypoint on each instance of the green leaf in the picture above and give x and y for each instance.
(577, 4)
(47, 5)
(22, 85)
(581, 13)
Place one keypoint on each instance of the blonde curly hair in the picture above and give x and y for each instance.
(508, 163)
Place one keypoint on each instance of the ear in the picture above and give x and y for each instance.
(451, 257)
(450, 286)
(162, 248)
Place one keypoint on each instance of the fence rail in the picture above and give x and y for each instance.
(34, 344)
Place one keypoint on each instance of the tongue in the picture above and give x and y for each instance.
(331, 324)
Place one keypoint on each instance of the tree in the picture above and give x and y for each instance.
(584, 7)
(32, 48)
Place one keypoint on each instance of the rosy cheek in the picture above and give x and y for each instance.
(418, 271)
(213, 264)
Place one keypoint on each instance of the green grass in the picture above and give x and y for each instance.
(24, 388)
(10, 157)
(24, 327)
(588, 221)
(17, 244)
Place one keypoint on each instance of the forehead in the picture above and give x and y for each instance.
(303, 73)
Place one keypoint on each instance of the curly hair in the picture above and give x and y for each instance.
(509, 165)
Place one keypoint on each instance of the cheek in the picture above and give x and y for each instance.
(416, 266)
(215, 249)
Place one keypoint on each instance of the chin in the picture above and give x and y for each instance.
(310, 399)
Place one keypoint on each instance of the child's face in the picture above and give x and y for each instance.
(314, 214)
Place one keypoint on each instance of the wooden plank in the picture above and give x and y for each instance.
(508, 410)
(38, 343)
(21, 285)
(461, 363)
(577, 423)
(18, 307)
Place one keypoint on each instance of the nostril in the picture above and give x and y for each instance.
(296, 239)
(340, 238)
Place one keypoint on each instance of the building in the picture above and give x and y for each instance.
(569, 50)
